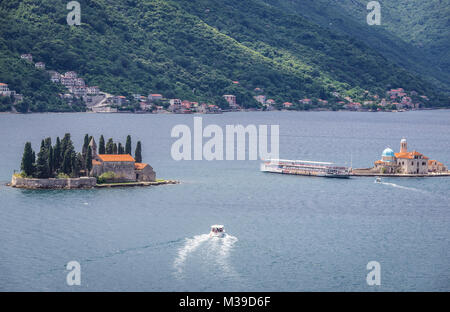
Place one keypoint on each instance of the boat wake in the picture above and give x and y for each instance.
(217, 248)
(403, 187)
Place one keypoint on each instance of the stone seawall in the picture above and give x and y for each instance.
(70, 183)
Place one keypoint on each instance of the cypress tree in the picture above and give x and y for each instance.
(57, 155)
(110, 146)
(77, 165)
(85, 146)
(89, 161)
(49, 149)
(66, 143)
(50, 160)
(42, 168)
(101, 145)
(67, 162)
(120, 149)
(115, 148)
(138, 152)
(128, 145)
(27, 165)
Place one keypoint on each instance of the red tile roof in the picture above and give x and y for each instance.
(140, 166)
(115, 157)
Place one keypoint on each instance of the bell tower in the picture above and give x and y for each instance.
(403, 146)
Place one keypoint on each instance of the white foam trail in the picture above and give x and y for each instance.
(216, 247)
(403, 187)
(191, 245)
(226, 245)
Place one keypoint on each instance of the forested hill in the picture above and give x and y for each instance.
(413, 33)
(193, 50)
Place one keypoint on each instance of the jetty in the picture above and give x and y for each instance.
(367, 172)
(133, 184)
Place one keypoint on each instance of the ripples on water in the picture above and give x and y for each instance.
(295, 233)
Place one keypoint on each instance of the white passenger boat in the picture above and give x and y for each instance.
(217, 231)
(306, 168)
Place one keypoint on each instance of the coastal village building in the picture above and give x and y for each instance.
(39, 65)
(4, 90)
(93, 90)
(155, 97)
(231, 99)
(270, 102)
(28, 57)
(261, 99)
(123, 166)
(406, 162)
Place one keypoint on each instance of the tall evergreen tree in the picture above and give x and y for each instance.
(57, 155)
(49, 149)
(77, 165)
(51, 162)
(120, 149)
(101, 145)
(110, 146)
(85, 146)
(138, 152)
(128, 145)
(42, 168)
(67, 164)
(66, 143)
(89, 161)
(115, 150)
(27, 165)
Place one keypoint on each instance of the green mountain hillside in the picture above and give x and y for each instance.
(414, 34)
(192, 50)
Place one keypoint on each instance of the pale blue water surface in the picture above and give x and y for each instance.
(286, 233)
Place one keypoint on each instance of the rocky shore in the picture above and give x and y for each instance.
(76, 183)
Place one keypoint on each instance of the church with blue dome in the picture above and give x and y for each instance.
(406, 162)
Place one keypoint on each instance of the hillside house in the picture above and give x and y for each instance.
(28, 57)
(39, 65)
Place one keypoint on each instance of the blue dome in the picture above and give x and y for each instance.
(388, 152)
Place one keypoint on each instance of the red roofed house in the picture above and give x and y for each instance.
(155, 97)
(287, 104)
(125, 168)
(4, 90)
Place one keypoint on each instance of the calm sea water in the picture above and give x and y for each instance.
(286, 233)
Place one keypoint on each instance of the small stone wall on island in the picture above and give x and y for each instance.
(69, 183)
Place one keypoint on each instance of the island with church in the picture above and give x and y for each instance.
(59, 166)
(404, 164)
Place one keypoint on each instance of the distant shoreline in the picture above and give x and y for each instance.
(240, 111)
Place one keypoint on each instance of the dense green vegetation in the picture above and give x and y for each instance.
(61, 160)
(413, 33)
(193, 50)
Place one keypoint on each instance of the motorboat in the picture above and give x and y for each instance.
(217, 231)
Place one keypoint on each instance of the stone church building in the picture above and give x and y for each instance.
(406, 162)
(123, 166)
